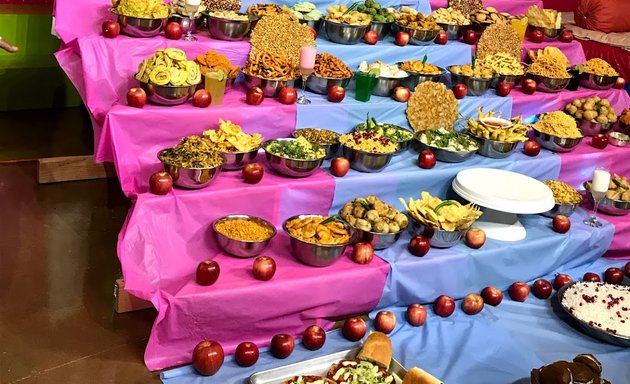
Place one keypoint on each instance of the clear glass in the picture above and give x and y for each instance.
(307, 65)
(191, 8)
(599, 187)
(364, 85)
(216, 89)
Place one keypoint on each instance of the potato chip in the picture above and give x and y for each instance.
(169, 67)
(432, 106)
(447, 215)
(517, 132)
(230, 138)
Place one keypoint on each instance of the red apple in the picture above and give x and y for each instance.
(288, 95)
(416, 315)
(254, 96)
(566, 36)
(542, 289)
(136, 97)
(339, 166)
(362, 253)
(314, 337)
(371, 37)
(620, 83)
(401, 94)
(336, 93)
(264, 268)
(531, 148)
(385, 321)
(426, 159)
(460, 90)
(282, 345)
(419, 245)
(475, 238)
(208, 357)
(561, 280)
(504, 89)
(519, 291)
(313, 32)
(173, 31)
(626, 269)
(444, 306)
(472, 304)
(354, 329)
(160, 183)
(470, 37)
(492, 296)
(252, 173)
(613, 275)
(246, 354)
(201, 99)
(207, 272)
(528, 86)
(110, 28)
(561, 224)
(536, 36)
(441, 38)
(599, 141)
(592, 277)
(402, 38)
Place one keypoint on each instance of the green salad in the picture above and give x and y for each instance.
(391, 131)
(448, 140)
(298, 149)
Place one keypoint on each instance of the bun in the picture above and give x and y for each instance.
(377, 349)
(418, 376)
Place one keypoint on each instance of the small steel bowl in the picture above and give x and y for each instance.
(549, 84)
(243, 248)
(184, 21)
(291, 167)
(168, 94)
(592, 128)
(385, 85)
(444, 155)
(513, 80)
(438, 238)
(454, 31)
(191, 178)
(317, 255)
(477, 86)
(331, 148)
(550, 33)
(344, 33)
(561, 209)
(416, 78)
(237, 160)
(609, 206)
(555, 143)
(270, 87)
(419, 36)
(321, 84)
(140, 27)
(315, 24)
(618, 139)
(363, 161)
(593, 81)
(231, 30)
(382, 28)
(494, 149)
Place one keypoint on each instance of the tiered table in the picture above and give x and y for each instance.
(166, 236)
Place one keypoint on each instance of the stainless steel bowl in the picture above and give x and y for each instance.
(191, 178)
(446, 156)
(495, 149)
(438, 238)
(453, 31)
(379, 241)
(317, 255)
(331, 148)
(344, 33)
(366, 161)
(609, 206)
(416, 78)
(168, 94)
(184, 21)
(402, 145)
(618, 139)
(381, 28)
(243, 248)
(555, 143)
(237, 160)
(477, 86)
(140, 27)
(419, 36)
(592, 81)
(513, 80)
(231, 30)
(321, 84)
(561, 209)
(385, 85)
(291, 167)
(270, 87)
(549, 84)
(315, 24)
(550, 33)
(592, 128)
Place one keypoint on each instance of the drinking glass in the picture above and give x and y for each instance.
(215, 85)
(599, 187)
(365, 83)
(307, 65)
(191, 7)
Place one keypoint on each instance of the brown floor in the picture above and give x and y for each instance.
(58, 265)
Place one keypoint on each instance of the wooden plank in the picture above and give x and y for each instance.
(125, 302)
(72, 168)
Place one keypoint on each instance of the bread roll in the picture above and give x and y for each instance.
(418, 376)
(377, 349)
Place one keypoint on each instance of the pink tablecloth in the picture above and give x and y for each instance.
(514, 7)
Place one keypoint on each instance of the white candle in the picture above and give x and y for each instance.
(601, 180)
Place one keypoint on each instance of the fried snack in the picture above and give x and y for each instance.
(231, 138)
(192, 152)
(479, 71)
(499, 37)
(373, 215)
(169, 67)
(450, 16)
(421, 67)
(329, 66)
(179, 7)
(229, 15)
(261, 10)
(213, 61)
(306, 11)
(222, 5)
(417, 21)
(447, 215)
(281, 34)
(563, 193)
(517, 132)
(598, 67)
(558, 124)
(544, 18)
(489, 15)
(317, 135)
(502, 63)
(405, 10)
(269, 65)
(466, 6)
(549, 67)
(244, 230)
(337, 14)
(618, 188)
(432, 106)
(141, 8)
(593, 109)
(550, 52)
(311, 230)
(368, 141)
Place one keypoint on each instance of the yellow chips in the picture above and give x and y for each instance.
(558, 124)
(141, 8)
(546, 18)
(502, 63)
(517, 132)
(448, 215)
(231, 138)
(169, 67)
(311, 230)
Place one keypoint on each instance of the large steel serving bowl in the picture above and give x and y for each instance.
(561, 209)
(555, 143)
(438, 238)
(477, 86)
(270, 87)
(291, 167)
(548, 84)
(237, 160)
(331, 148)
(444, 155)
(139, 26)
(366, 161)
(321, 84)
(317, 255)
(344, 33)
(378, 240)
(618, 139)
(513, 80)
(168, 94)
(494, 149)
(592, 128)
(416, 78)
(315, 24)
(593, 81)
(243, 248)
(419, 36)
(385, 85)
(382, 28)
(454, 31)
(609, 206)
(550, 33)
(231, 30)
(191, 178)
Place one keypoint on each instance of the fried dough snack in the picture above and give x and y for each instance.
(598, 67)
(447, 215)
(311, 230)
(261, 10)
(141, 8)
(337, 14)
(563, 193)
(450, 16)
(499, 37)
(432, 106)
(417, 21)
(169, 67)
(213, 61)
(231, 138)
(502, 63)
(551, 53)
(329, 66)
(269, 65)
(281, 34)
(618, 188)
(549, 67)
(545, 18)
(419, 66)
(558, 124)
(466, 6)
(479, 70)
(517, 132)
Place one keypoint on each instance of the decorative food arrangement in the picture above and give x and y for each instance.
(192, 152)
(299, 149)
(329, 66)
(420, 66)
(145, 9)
(368, 141)
(266, 9)
(489, 15)
(448, 140)
(392, 132)
(583, 369)
(377, 12)
(502, 63)
(373, 215)
(450, 16)
(488, 127)
(285, 28)
(593, 109)
(550, 54)
(213, 61)
(544, 18)
(447, 215)
(229, 15)
(417, 21)
(499, 37)
(618, 189)
(306, 11)
(318, 136)
(467, 7)
(382, 69)
(342, 15)
(597, 67)
(432, 106)
(169, 67)
(268, 65)
(479, 71)
(549, 62)
(323, 230)
(563, 193)
(231, 138)
(558, 124)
